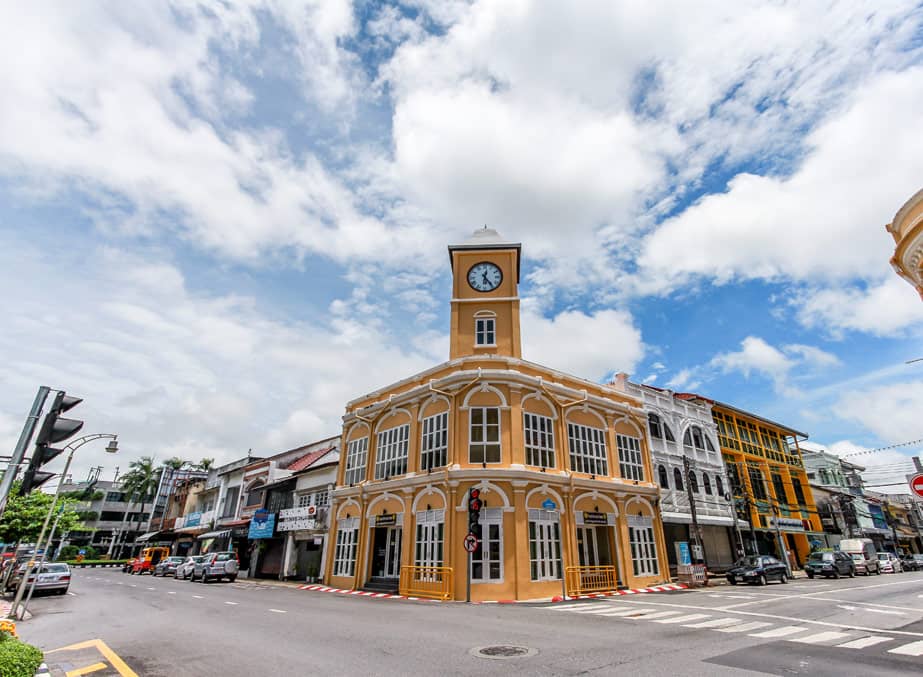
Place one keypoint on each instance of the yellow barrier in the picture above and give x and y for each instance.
(586, 580)
(429, 582)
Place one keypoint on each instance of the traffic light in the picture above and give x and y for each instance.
(474, 512)
(54, 429)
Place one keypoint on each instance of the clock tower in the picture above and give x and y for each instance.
(485, 296)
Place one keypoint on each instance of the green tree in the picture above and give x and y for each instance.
(22, 520)
(176, 463)
(140, 482)
(205, 464)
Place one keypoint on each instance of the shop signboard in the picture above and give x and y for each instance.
(262, 525)
(548, 504)
(683, 556)
(386, 520)
(296, 519)
(595, 518)
(193, 519)
(786, 523)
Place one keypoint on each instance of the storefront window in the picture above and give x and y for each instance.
(544, 545)
(631, 463)
(435, 442)
(344, 559)
(391, 452)
(539, 438)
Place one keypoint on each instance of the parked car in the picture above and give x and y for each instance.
(889, 563)
(167, 567)
(215, 566)
(758, 569)
(184, 570)
(830, 564)
(864, 547)
(918, 562)
(54, 576)
(862, 565)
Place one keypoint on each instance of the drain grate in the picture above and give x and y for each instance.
(502, 651)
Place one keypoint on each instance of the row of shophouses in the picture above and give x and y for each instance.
(584, 486)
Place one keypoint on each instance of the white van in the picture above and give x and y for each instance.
(862, 551)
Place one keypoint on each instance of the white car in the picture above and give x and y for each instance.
(184, 570)
(889, 563)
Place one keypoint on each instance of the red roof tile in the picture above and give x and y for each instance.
(307, 460)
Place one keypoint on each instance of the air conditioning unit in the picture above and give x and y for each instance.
(312, 510)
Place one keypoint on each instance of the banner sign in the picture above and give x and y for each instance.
(595, 518)
(262, 525)
(787, 523)
(294, 513)
(299, 524)
(193, 519)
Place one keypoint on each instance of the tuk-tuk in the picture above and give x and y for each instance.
(148, 559)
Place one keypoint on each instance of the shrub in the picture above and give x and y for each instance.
(69, 552)
(18, 659)
(75, 563)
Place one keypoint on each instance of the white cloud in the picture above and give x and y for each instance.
(882, 308)
(591, 346)
(890, 411)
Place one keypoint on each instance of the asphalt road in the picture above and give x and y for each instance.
(162, 627)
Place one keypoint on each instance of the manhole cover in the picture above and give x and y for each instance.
(502, 651)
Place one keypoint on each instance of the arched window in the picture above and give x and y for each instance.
(662, 472)
(706, 483)
(653, 422)
(693, 482)
(719, 485)
(677, 479)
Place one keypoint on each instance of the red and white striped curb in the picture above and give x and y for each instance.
(362, 593)
(384, 595)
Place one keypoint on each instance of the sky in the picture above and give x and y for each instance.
(221, 221)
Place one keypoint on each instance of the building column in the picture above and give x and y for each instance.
(517, 441)
(520, 538)
(625, 566)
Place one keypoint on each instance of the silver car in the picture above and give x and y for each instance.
(215, 566)
(54, 576)
(184, 570)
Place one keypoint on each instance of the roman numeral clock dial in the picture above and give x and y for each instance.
(484, 276)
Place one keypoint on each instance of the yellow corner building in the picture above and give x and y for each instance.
(562, 464)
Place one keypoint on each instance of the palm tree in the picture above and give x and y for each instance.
(205, 464)
(141, 482)
(176, 463)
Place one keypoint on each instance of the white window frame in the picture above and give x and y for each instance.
(485, 428)
(544, 545)
(357, 456)
(643, 551)
(485, 332)
(319, 498)
(493, 547)
(429, 545)
(434, 441)
(631, 460)
(588, 449)
(538, 439)
(391, 448)
(344, 558)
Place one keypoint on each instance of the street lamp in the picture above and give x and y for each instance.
(111, 448)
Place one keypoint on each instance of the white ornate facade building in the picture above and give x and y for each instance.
(683, 429)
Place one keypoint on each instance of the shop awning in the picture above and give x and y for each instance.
(213, 534)
(143, 538)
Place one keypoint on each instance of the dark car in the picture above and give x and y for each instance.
(830, 564)
(759, 569)
(167, 567)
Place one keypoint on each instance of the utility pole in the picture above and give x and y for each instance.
(25, 437)
(778, 514)
(697, 530)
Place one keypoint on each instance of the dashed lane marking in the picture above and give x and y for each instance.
(198, 596)
(152, 588)
(231, 603)
(912, 649)
(863, 642)
(171, 592)
(278, 611)
(72, 594)
(820, 637)
(783, 631)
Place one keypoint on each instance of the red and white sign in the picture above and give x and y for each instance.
(916, 484)
(471, 543)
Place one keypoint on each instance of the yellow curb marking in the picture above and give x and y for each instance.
(87, 670)
(100, 646)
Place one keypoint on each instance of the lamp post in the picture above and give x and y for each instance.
(111, 448)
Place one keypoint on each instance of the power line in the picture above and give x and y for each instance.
(873, 451)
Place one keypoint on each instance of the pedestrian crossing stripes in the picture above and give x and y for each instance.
(803, 634)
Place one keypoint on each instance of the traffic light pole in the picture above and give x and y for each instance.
(25, 437)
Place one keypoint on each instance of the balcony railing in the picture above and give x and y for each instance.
(428, 582)
(586, 580)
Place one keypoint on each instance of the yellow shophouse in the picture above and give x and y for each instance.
(769, 483)
(562, 464)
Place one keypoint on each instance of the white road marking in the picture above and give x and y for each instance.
(278, 611)
(783, 631)
(821, 637)
(718, 622)
(171, 592)
(625, 612)
(745, 627)
(657, 614)
(732, 596)
(912, 649)
(231, 603)
(865, 641)
(683, 619)
(72, 594)
(152, 588)
(595, 609)
(133, 585)
(198, 596)
(566, 607)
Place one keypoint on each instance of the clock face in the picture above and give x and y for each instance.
(484, 276)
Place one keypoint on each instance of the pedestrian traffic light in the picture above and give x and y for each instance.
(54, 429)
(474, 512)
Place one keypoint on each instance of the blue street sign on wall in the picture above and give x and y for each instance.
(193, 519)
(262, 525)
(548, 504)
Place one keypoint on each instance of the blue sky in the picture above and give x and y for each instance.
(218, 223)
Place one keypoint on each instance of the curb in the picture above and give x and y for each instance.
(669, 587)
(43, 670)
